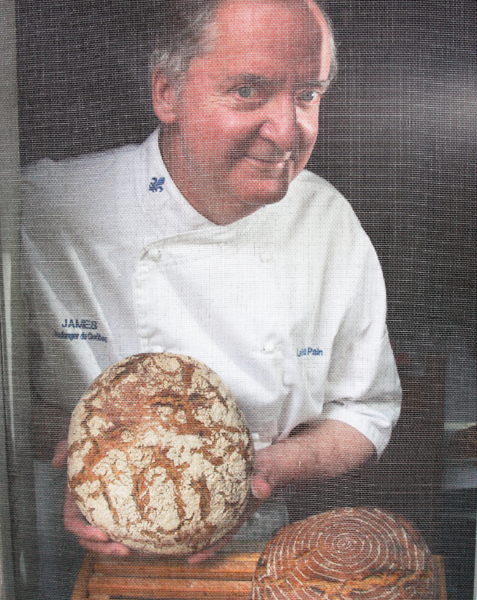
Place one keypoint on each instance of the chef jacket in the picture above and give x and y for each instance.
(287, 305)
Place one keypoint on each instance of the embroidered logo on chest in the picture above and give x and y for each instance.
(156, 184)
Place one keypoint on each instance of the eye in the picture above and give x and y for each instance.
(247, 92)
(309, 96)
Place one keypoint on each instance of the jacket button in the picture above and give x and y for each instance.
(154, 254)
(269, 347)
(287, 379)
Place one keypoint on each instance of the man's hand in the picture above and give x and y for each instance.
(322, 451)
(261, 490)
(89, 537)
(61, 452)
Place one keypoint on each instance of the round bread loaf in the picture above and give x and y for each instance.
(347, 554)
(159, 454)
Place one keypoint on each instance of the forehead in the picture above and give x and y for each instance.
(279, 35)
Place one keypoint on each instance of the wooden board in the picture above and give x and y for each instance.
(227, 577)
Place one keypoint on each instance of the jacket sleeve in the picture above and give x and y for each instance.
(363, 387)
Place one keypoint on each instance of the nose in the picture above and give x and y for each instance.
(280, 124)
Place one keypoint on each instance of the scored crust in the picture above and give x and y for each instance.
(159, 454)
(347, 554)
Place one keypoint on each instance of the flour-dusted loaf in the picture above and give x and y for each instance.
(347, 554)
(159, 454)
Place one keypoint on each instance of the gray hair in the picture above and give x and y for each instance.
(183, 34)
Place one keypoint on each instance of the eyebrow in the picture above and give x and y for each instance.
(260, 80)
(250, 78)
(322, 84)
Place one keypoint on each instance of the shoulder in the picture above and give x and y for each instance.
(313, 193)
(317, 224)
(84, 196)
(315, 208)
(71, 171)
(88, 180)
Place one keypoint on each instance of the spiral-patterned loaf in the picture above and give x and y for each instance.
(160, 456)
(347, 554)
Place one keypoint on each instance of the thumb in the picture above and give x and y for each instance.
(59, 457)
(261, 489)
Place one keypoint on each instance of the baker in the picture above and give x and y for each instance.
(212, 240)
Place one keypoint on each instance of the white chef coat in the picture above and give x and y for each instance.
(287, 305)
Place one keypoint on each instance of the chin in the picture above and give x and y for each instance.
(260, 193)
(272, 197)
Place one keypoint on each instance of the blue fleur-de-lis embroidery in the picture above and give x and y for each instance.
(156, 184)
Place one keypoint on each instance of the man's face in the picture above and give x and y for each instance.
(245, 120)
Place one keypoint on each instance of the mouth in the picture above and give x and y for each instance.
(275, 163)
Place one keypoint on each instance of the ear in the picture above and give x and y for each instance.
(164, 98)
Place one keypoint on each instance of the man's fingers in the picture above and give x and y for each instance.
(212, 550)
(89, 537)
(261, 490)
(59, 457)
(252, 506)
(75, 522)
(109, 548)
(266, 467)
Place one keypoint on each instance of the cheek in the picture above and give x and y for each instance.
(310, 126)
(221, 136)
(197, 123)
(308, 135)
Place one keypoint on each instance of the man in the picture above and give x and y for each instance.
(212, 240)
